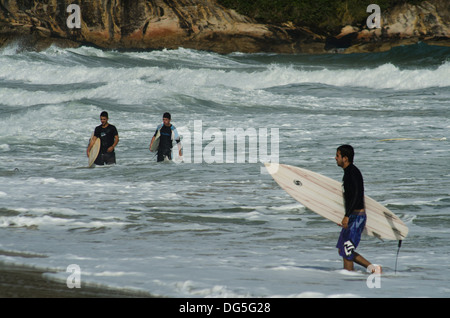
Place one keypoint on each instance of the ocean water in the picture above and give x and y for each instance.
(215, 224)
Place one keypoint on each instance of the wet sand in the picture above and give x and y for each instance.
(27, 282)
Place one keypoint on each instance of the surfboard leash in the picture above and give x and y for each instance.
(398, 251)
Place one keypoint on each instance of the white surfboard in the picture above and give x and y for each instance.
(93, 153)
(324, 196)
(155, 143)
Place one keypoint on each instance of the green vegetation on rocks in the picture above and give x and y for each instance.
(326, 15)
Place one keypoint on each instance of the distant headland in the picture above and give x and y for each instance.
(225, 26)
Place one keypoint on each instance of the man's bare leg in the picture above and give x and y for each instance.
(358, 259)
(348, 265)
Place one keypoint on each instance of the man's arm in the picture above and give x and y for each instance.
(344, 222)
(91, 144)
(116, 141)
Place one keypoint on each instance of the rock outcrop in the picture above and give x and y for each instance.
(405, 24)
(204, 25)
(147, 24)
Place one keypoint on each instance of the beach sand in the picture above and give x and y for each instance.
(28, 282)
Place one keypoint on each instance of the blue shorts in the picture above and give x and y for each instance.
(350, 237)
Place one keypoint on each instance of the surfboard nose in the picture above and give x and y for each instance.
(272, 167)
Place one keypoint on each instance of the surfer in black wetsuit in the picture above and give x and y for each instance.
(355, 217)
(168, 133)
(109, 138)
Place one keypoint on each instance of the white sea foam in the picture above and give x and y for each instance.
(250, 78)
(4, 147)
(25, 221)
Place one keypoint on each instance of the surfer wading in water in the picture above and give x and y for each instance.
(167, 134)
(109, 138)
(355, 217)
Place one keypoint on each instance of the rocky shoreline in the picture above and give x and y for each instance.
(205, 25)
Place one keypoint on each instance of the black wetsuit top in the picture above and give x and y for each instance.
(165, 140)
(353, 189)
(106, 136)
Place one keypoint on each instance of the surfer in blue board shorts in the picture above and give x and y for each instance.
(355, 217)
(168, 133)
(109, 138)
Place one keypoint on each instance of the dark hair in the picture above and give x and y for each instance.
(166, 115)
(347, 151)
(104, 114)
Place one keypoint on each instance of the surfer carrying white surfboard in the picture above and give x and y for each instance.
(355, 217)
(109, 138)
(164, 136)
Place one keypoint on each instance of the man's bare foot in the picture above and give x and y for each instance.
(374, 269)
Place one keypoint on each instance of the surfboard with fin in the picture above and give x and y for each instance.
(324, 196)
